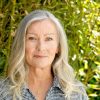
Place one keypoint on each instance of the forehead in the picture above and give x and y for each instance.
(42, 26)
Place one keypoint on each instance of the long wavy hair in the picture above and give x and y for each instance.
(18, 70)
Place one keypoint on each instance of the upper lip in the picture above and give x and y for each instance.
(39, 56)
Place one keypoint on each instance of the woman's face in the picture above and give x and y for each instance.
(41, 44)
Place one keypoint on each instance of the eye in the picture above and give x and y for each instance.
(49, 38)
(32, 38)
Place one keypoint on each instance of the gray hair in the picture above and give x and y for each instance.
(61, 68)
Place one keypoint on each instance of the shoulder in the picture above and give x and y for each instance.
(4, 82)
(4, 88)
(79, 93)
(83, 94)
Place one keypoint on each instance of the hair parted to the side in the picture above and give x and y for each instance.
(17, 67)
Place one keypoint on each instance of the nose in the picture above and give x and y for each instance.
(40, 45)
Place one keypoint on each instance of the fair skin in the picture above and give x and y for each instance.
(41, 46)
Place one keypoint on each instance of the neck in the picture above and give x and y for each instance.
(39, 75)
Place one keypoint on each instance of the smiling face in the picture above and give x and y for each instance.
(41, 44)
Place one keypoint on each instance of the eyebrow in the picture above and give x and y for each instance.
(44, 34)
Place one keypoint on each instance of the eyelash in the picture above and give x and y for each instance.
(32, 38)
(47, 39)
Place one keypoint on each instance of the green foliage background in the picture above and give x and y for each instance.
(81, 20)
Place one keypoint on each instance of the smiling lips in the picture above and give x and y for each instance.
(39, 56)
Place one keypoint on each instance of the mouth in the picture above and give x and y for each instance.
(39, 56)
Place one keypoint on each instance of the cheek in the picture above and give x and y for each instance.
(53, 49)
(28, 49)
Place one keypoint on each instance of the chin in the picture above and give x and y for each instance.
(43, 66)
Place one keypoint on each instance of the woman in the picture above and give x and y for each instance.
(39, 68)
